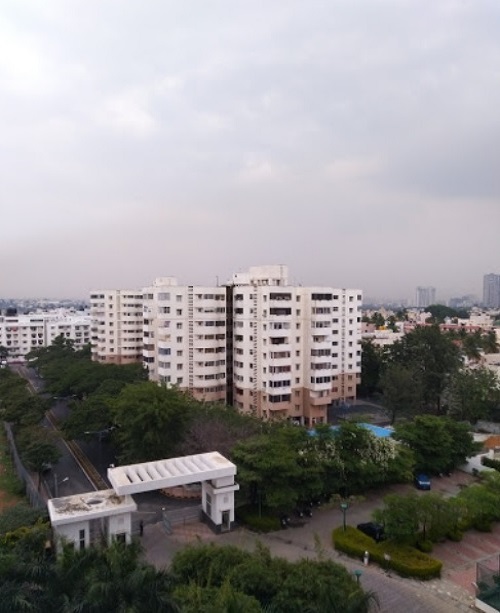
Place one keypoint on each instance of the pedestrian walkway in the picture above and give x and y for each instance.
(453, 593)
(395, 594)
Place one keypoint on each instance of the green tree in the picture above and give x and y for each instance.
(400, 517)
(490, 342)
(371, 367)
(434, 355)
(214, 426)
(39, 455)
(270, 468)
(402, 390)
(440, 312)
(434, 513)
(90, 415)
(471, 346)
(18, 516)
(279, 586)
(473, 393)
(438, 443)
(482, 502)
(392, 323)
(378, 320)
(151, 421)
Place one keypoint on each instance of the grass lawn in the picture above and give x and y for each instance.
(10, 486)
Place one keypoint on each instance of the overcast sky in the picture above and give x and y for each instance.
(356, 141)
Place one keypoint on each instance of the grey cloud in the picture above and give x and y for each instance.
(195, 138)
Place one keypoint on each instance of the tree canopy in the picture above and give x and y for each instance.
(439, 444)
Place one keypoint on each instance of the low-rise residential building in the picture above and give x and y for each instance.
(20, 334)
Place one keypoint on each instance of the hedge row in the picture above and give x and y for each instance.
(406, 561)
(491, 463)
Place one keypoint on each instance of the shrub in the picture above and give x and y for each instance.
(490, 463)
(252, 520)
(455, 535)
(425, 546)
(403, 559)
(482, 524)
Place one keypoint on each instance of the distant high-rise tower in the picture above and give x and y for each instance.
(491, 291)
(425, 296)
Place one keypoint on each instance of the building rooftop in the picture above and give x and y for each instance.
(92, 505)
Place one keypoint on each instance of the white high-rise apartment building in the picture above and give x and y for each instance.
(257, 343)
(185, 337)
(296, 350)
(491, 291)
(425, 296)
(117, 326)
(20, 334)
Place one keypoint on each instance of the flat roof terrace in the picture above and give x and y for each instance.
(94, 505)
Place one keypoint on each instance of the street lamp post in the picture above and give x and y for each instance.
(57, 484)
(344, 506)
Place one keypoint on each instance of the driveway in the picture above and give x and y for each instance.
(445, 595)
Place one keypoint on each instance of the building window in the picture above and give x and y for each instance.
(81, 538)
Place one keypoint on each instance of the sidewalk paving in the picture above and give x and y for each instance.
(453, 592)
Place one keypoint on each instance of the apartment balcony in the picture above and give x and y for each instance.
(132, 351)
(278, 332)
(276, 313)
(282, 402)
(321, 345)
(280, 361)
(320, 387)
(279, 304)
(279, 376)
(319, 359)
(320, 401)
(208, 370)
(164, 372)
(202, 344)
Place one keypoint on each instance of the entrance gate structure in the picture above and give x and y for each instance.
(72, 516)
(215, 472)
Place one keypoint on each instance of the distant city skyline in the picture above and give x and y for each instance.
(357, 143)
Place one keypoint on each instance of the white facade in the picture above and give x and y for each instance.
(117, 326)
(425, 296)
(491, 291)
(81, 519)
(258, 343)
(185, 337)
(295, 349)
(20, 334)
(214, 471)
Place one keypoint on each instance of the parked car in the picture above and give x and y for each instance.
(422, 482)
(375, 531)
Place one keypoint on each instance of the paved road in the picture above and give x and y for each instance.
(395, 594)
